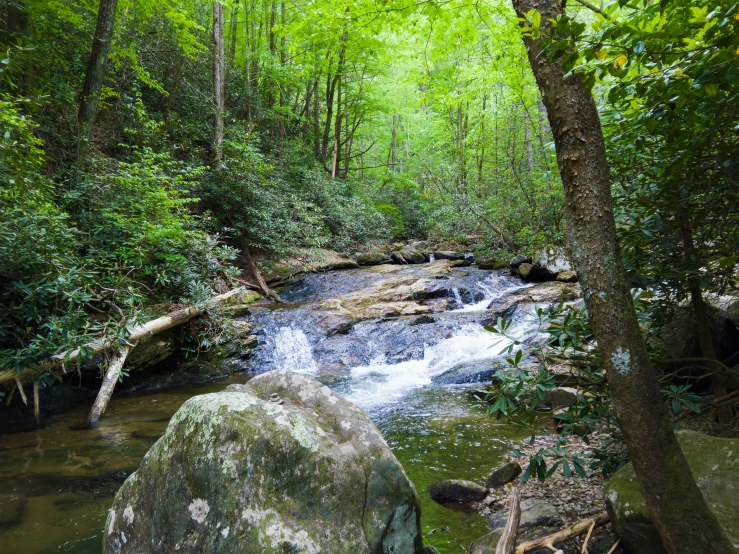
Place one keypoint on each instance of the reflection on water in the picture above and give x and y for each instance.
(56, 484)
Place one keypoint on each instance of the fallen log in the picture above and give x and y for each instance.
(111, 378)
(99, 346)
(507, 542)
(586, 525)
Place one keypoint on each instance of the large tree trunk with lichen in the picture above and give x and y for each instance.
(675, 503)
(95, 73)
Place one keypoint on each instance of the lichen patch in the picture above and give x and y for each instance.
(199, 510)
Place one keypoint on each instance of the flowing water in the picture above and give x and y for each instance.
(56, 484)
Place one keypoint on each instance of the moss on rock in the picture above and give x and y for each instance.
(238, 471)
(714, 463)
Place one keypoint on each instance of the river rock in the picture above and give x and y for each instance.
(373, 257)
(462, 263)
(423, 320)
(397, 257)
(468, 372)
(151, 351)
(456, 490)
(714, 463)
(503, 474)
(282, 464)
(537, 273)
(518, 260)
(448, 255)
(534, 513)
(491, 263)
(567, 277)
(560, 397)
(413, 256)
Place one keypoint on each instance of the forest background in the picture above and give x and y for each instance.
(225, 132)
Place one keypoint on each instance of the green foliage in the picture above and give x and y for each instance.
(519, 390)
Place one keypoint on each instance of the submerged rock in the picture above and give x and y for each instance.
(281, 464)
(456, 490)
(503, 474)
(714, 463)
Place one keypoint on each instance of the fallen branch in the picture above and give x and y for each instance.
(99, 346)
(507, 542)
(565, 534)
(109, 381)
(254, 270)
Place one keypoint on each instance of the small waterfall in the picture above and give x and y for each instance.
(432, 258)
(489, 293)
(292, 351)
(457, 297)
(380, 383)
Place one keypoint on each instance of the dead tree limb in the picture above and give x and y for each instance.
(565, 534)
(99, 346)
(109, 381)
(507, 542)
(254, 270)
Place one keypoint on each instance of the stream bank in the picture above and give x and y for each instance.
(402, 342)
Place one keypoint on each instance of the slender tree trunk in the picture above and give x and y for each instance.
(330, 90)
(337, 124)
(173, 88)
(675, 503)
(95, 73)
(393, 144)
(218, 80)
(718, 381)
(481, 158)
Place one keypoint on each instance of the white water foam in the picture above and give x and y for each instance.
(293, 352)
(489, 292)
(381, 383)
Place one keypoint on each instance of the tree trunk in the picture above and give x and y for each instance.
(675, 503)
(95, 73)
(718, 380)
(393, 144)
(109, 381)
(339, 110)
(173, 88)
(218, 80)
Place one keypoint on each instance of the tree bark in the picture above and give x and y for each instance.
(218, 80)
(109, 381)
(675, 503)
(95, 73)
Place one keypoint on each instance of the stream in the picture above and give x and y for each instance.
(409, 373)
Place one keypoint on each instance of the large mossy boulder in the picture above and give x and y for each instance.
(279, 465)
(714, 463)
